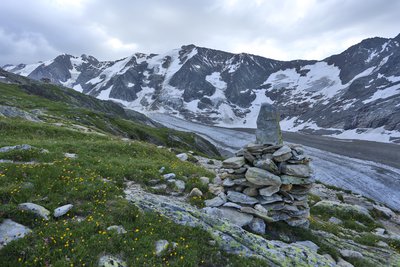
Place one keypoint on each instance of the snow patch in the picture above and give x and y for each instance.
(78, 88)
(105, 94)
(384, 93)
(377, 134)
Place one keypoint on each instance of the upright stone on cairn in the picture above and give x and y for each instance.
(268, 128)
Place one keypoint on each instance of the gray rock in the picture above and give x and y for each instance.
(267, 164)
(335, 220)
(161, 170)
(347, 253)
(299, 170)
(231, 215)
(307, 244)
(117, 228)
(179, 184)
(10, 230)
(182, 156)
(215, 189)
(241, 198)
(234, 162)
(241, 181)
(17, 147)
(269, 190)
(282, 154)
(232, 205)
(270, 199)
(36, 209)
(169, 176)
(228, 183)
(60, 211)
(288, 179)
(195, 192)
(161, 247)
(382, 244)
(257, 225)
(268, 128)
(298, 222)
(13, 112)
(251, 191)
(111, 261)
(216, 201)
(204, 180)
(262, 215)
(342, 263)
(379, 231)
(262, 177)
(160, 187)
(383, 211)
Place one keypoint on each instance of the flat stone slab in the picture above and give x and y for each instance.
(234, 162)
(35, 209)
(259, 176)
(60, 211)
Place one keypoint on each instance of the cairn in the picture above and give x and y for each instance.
(267, 179)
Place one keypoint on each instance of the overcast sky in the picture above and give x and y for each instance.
(34, 30)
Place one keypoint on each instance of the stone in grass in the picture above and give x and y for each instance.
(111, 261)
(17, 147)
(347, 253)
(335, 220)
(257, 226)
(169, 176)
(70, 155)
(161, 246)
(117, 228)
(35, 209)
(10, 230)
(179, 184)
(195, 192)
(60, 211)
(204, 180)
(182, 156)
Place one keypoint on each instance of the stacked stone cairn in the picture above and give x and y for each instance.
(267, 180)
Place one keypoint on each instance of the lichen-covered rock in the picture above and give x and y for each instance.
(230, 237)
(259, 176)
(257, 226)
(231, 215)
(267, 164)
(195, 192)
(117, 228)
(35, 209)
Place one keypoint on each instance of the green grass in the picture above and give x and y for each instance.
(68, 242)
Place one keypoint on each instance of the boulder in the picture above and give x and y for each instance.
(36, 209)
(17, 147)
(383, 211)
(347, 253)
(268, 129)
(195, 192)
(262, 177)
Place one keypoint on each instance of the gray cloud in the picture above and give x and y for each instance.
(283, 29)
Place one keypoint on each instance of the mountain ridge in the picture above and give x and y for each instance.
(351, 94)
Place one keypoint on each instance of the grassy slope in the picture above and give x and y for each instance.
(56, 180)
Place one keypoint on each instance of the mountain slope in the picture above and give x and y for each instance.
(353, 93)
(66, 108)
